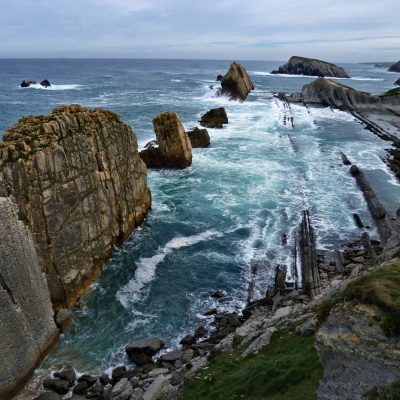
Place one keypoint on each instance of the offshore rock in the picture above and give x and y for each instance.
(27, 83)
(395, 67)
(199, 137)
(27, 329)
(122, 390)
(311, 67)
(355, 352)
(236, 83)
(45, 83)
(215, 118)
(173, 149)
(80, 187)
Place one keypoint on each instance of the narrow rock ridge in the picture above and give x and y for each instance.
(81, 188)
(27, 329)
(311, 67)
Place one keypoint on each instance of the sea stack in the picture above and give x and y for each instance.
(72, 186)
(311, 67)
(199, 137)
(173, 148)
(236, 83)
(214, 118)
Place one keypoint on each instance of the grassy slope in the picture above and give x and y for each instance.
(288, 368)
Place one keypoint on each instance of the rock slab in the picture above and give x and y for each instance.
(236, 83)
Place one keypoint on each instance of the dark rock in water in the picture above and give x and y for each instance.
(395, 67)
(118, 373)
(210, 312)
(200, 331)
(215, 118)
(48, 396)
(45, 83)
(64, 319)
(57, 385)
(236, 83)
(199, 137)
(218, 294)
(91, 380)
(67, 374)
(172, 356)
(397, 83)
(104, 379)
(174, 149)
(358, 221)
(345, 160)
(27, 83)
(141, 351)
(81, 388)
(219, 78)
(188, 340)
(311, 67)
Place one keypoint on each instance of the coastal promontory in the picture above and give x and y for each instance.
(311, 67)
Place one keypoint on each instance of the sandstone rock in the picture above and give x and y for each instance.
(122, 390)
(57, 385)
(78, 207)
(199, 137)
(311, 67)
(236, 83)
(141, 351)
(174, 149)
(45, 83)
(64, 319)
(27, 83)
(395, 67)
(215, 118)
(27, 328)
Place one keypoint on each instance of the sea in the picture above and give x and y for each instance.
(211, 223)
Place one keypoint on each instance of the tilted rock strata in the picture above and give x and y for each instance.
(174, 149)
(27, 328)
(355, 352)
(311, 67)
(236, 83)
(80, 187)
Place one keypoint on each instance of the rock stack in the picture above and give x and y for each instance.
(236, 83)
(215, 118)
(199, 137)
(173, 148)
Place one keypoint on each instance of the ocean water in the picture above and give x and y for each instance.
(212, 222)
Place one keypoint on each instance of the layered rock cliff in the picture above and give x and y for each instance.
(311, 67)
(236, 83)
(27, 328)
(79, 186)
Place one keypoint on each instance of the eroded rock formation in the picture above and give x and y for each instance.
(80, 187)
(236, 83)
(311, 67)
(215, 118)
(199, 137)
(395, 67)
(173, 148)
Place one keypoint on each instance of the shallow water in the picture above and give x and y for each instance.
(226, 212)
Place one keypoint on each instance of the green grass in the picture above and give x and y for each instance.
(381, 288)
(390, 393)
(288, 368)
(391, 92)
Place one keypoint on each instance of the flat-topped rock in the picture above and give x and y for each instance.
(199, 137)
(141, 351)
(236, 83)
(311, 67)
(215, 118)
(173, 148)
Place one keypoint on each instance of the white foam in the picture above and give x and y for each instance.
(54, 87)
(176, 80)
(146, 267)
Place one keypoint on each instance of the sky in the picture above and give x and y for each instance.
(334, 30)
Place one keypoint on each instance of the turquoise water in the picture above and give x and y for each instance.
(229, 210)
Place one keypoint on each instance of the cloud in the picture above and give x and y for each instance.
(257, 29)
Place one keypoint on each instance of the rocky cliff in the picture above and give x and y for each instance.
(27, 328)
(311, 67)
(395, 67)
(236, 83)
(172, 148)
(79, 186)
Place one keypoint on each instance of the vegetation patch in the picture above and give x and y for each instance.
(382, 289)
(390, 393)
(288, 368)
(391, 92)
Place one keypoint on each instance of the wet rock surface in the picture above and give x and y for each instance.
(199, 137)
(215, 118)
(236, 83)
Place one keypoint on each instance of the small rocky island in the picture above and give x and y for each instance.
(311, 67)
(236, 83)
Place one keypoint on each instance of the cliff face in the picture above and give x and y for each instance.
(395, 67)
(80, 187)
(27, 326)
(236, 83)
(311, 67)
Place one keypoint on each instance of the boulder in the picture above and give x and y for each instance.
(81, 388)
(67, 374)
(199, 137)
(48, 396)
(64, 319)
(118, 373)
(141, 351)
(219, 78)
(236, 83)
(188, 340)
(395, 67)
(174, 149)
(215, 118)
(311, 67)
(27, 83)
(122, 390)
(156, 390)
(91, 380)
(57, 385)
(45, 83)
